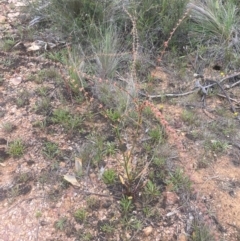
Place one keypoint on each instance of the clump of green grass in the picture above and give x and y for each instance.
(58, 56)
(214, 28)
(201, 232)
(189, 117)
(42, 106)
(8, 127)
(157, 135)
(44, 75)
(42, 91)
(179, 181)
(7, 43)
(50, 149)
(69, 121)
(126, 205)
(61, 223)
(80, 215)
(151, 189)
(107, 228)
(22, 98)
(109, 148)
(92, 202)
(109, 176)
(16, 148)
(113, 115)
(215, 146)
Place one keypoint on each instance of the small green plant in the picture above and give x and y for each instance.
(23, 177)
(213, 25)
(1, 80)
(43, 178)
(80, 215)
(50, 149)
(109, 176)
(42, 91)
(148, 112)
(201, 232)
(151, 189)
(157, 135)
(60, 116)
(159, 161)
(86, 237)
(179, 181)
(58, 56)
(7, 127)
(16, 148)
(42, 106)
(148, 212)
(110, 148)
(202, 163)
(131, 223)
(216, 146)
(61, 223)
(113, 115)
(44, 75)
(7, 44)
(38, 214)
(14, 191)
(107, 228)
(126, 205)
(70, 122)
(96, 147)
(92, 202)
(22, 98)
(40, 124)
(188, 117)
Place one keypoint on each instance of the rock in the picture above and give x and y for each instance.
(2, 19)
(147, 231)
(16, 80)
(182, 237)
(62, 164)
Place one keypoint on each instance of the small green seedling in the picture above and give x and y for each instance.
(7, 127)
(42, 106)
(216, 145)
(126, 205)
(107, 228)
(109, 176)
(188, 117)
(113, 115)
(61, 223)
(179, 180)
(156, 135)
(80, 215)
(38, 214)
(151, 189)
(50, 149)
(16, 148)
(110, 148)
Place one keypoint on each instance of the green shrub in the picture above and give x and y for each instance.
(214, 25)
(16, 148)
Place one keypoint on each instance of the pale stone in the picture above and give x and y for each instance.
(2, 19)
(16, 80)
(147, 231)
(182, 237)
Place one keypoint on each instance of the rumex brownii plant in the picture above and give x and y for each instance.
(133, 171)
